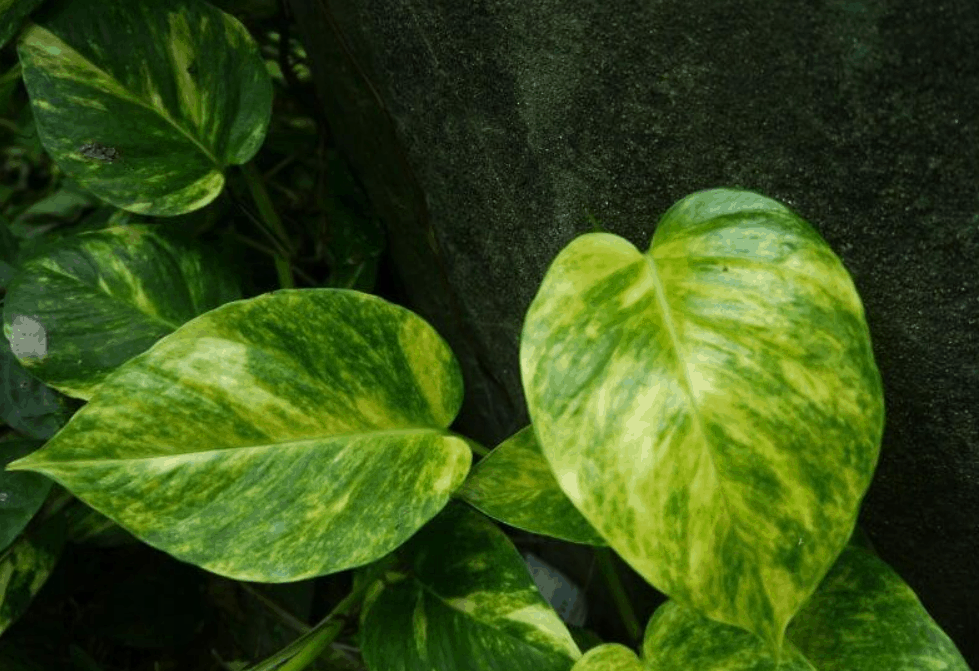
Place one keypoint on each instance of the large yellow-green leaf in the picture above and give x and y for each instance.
(93, 301)
(680, 639)
(145, 102)
(514, 485)
(712, 407)
(610, 657)
(467, 603)
(864, 617)
(273, 439)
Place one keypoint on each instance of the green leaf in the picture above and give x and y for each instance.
(273, 439)
(21, 494)
(514, 485)
(680, 639)
(711, 407)
(145, 102)
(93, 301)
(469, 603)
(27, 404)
(12, 14)
(26, 565)
(864, 617)
(610, 657)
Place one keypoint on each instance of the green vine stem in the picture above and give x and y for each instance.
(269, 219)
(301, 652)
(628, 615)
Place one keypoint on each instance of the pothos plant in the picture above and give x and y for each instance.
(709, 409)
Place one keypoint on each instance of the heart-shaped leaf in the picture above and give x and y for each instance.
(712, 407)
(514, 485)
(145, 102)
(468, 603)
(273, 439)
(92, 301)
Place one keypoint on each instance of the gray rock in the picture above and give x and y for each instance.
(485, 131)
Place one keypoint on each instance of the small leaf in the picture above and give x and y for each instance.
(610, 657)
(21, 494)
(514, 485)
(712, 407)
(273, 439)
(92, 301)
(468, 604)
(118, 109)
(864, 617)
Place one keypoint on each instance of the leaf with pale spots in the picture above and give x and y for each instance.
(468, 602)
(93, 301)
(514, 485)
(146, 102)
(864, 617)
(273, 439)
(610, 657)
(711, 407)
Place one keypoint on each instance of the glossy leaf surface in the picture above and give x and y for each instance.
(273, 439)
(712, 407)
(91, 302)
(145, 102)
(514, 485)
(21, 494)
(609, 657)
(467, 603)
(864, 617)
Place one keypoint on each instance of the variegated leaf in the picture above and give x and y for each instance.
(610, 657)
(277, 438)
(864, 617)
(145, 102)
(712, 407)
(681, 639)
(467, 603)
(93, 301)
(514, 485)
(26, 565)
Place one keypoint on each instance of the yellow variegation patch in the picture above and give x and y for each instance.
(145, 102)
(277, 438)
(712, 407)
